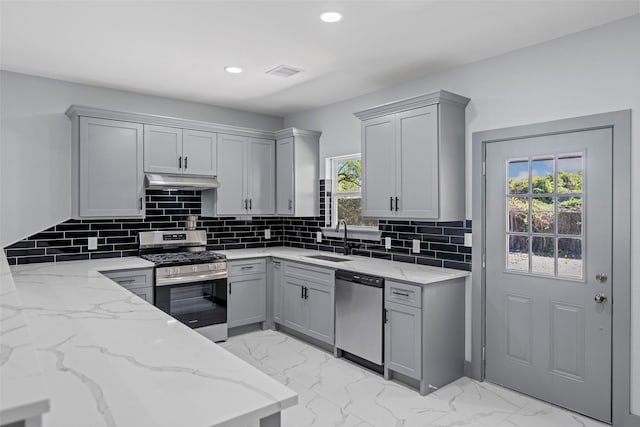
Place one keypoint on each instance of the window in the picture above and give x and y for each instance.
(346, 199)
(544, 232)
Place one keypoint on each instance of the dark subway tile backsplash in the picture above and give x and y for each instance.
(441, 243)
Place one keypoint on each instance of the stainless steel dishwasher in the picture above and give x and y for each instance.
(359, 316)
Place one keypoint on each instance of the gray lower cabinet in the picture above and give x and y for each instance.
(424, 333)
(137, 281)
(276, 280)
(308, 300)
(247, 292)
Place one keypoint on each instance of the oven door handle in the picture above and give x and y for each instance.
(166, 281)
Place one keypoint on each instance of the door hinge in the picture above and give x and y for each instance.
(484, 260)
(483, 354)
(484, 168)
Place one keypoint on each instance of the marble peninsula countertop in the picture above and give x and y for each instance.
(108, 358)
(400, 271)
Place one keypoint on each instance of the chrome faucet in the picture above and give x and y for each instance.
(347, 250)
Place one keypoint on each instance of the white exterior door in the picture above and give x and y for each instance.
(378, 167)
(199, 152)
(548, 268)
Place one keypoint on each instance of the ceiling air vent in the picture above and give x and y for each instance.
(284, 71)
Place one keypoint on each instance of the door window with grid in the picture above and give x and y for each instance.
(545, 211)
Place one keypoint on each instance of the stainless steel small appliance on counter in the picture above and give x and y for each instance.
(190, 282)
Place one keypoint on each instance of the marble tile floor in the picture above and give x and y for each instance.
(336, 392)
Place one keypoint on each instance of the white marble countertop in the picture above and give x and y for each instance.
(111, 359)
(22, 388)
(400, 271)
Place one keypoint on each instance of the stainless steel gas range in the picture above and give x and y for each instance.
(190, 282)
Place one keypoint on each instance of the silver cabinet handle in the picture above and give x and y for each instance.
(246, 267)
(404, 294)
(290, 204)
(122, 282)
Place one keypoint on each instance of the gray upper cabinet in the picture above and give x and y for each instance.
(246, 172)
(297, 177)
(413, 158)
(199, 151)
(110, 175)
(179, 151)
(261, 176)
(162, 149)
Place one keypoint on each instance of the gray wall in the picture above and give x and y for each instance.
(590, 72)
(35, 141)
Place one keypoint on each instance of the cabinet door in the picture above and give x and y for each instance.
(320, 305)
(231, 195)
(284, 177)
(111, 169)
(261, 188)
(162, 149)
(277, 291)
(378, 167)
(199, 152)
(247, 302)
(144, 293)
(417, 174)
(403, 339)
(293, 311)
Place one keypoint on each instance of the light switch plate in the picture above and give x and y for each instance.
(318, 236)
(416, 246)
(467, 240)
(387, 242)
(267, 233)
(92, 243)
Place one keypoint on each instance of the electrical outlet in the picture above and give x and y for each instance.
(92, 243)
(318, 236)
(387, 242)
(416, 246)
(267, 233)
(467, 239)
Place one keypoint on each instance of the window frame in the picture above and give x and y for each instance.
(332, 164)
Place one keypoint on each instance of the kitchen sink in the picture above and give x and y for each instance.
(328, 258)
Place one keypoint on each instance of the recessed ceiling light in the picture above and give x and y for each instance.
(331, 17)
(233, 70)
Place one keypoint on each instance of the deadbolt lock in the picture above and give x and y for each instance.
(601, 277)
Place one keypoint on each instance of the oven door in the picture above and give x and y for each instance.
(195, 303)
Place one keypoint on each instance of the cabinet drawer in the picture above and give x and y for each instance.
(309, 273)
(402, 293)
(131, 278)
(249, 266)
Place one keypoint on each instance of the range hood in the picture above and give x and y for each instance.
(165, 182)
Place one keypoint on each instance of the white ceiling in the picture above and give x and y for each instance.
(178, 49)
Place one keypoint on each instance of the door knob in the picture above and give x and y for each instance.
(600, 298)
(601, 277)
